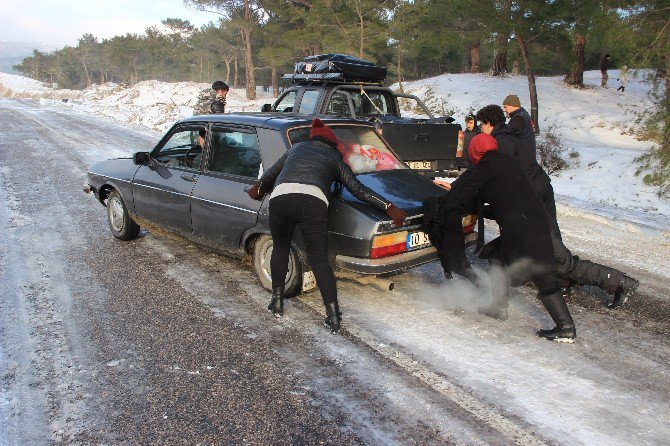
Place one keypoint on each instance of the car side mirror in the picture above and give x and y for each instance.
(141, 158)
(266, 108)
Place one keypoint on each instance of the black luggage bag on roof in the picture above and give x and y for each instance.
(351, 68)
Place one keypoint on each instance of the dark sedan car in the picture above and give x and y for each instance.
(193, 183)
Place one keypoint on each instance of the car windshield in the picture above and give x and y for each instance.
(361, 147)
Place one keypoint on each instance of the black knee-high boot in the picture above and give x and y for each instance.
(333, 316)
(564, 331)
(277, 303)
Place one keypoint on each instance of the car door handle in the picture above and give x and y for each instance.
(186, 177)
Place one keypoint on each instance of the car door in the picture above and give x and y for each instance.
(162, 190)
(221, 210)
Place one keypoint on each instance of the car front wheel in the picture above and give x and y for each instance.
(122, 226)
(262, 253)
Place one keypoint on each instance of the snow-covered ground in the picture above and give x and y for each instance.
(606, 389)
(596, 123)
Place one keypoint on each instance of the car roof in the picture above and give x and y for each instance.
(272, 120)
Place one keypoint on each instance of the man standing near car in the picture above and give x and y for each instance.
(212, 101)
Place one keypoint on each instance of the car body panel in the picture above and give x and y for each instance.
(162, 195)
(213, 209)
(221, 211)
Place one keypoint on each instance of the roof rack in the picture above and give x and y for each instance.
(327, 78)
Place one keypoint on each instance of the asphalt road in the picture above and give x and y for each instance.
(157, 341)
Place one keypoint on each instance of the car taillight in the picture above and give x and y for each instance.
(459, 147)
(469, 222)
(388, 244)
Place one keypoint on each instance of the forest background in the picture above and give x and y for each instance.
(253, 42)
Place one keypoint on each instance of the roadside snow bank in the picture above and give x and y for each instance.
(154, 104)
(13, 86)
(597, 123)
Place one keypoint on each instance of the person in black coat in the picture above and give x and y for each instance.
(571, 269)
(300, 182)
(218, 105)
(523, 252)
(604, 65)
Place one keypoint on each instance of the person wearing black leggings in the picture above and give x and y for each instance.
(300, 182)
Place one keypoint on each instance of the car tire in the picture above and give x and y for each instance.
(261, 258)
(122, 226)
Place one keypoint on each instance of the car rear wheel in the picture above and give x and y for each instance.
(122, 226)
(262, 253)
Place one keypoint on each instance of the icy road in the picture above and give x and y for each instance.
(157, 341)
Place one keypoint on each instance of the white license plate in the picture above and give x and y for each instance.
(416, 239)
(420, 165)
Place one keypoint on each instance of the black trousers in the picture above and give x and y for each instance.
(570, 267)
(310, 215)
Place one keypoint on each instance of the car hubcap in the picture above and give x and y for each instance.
(116, 214)
(265, 264)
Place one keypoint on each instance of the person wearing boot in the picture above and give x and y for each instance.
(523, 252)
(570, 268)
(300, 182)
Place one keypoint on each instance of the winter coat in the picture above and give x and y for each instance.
(204, 102)
(218, 105)
(208, 103)
(467, 137)
(521, 125)
(604, 64)
(444, 227)
(319, 164)
(524, 151)
(523, 222)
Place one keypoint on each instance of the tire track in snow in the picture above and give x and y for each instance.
(488, 414)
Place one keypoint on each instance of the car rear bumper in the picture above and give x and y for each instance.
(394, 263)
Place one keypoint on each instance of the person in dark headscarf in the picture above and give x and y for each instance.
(523, 252)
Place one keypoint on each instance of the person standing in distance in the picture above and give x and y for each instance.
(300, 182)
(604, 65)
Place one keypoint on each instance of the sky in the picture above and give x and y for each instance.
(62, 22)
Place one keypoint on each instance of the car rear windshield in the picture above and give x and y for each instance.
(362, 148)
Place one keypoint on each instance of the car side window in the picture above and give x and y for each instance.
(183, 148)
(287, 103)
(338, 105)
(308, 102)
(373, 103)
(234, 152)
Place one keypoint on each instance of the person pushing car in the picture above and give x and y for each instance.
(300, 182)
(523, 252)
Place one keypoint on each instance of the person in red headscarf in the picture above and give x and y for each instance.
(300, 183)
(523, 252)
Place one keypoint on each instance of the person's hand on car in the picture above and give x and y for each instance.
(254, 192)
(397, 215)
(443, 184)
